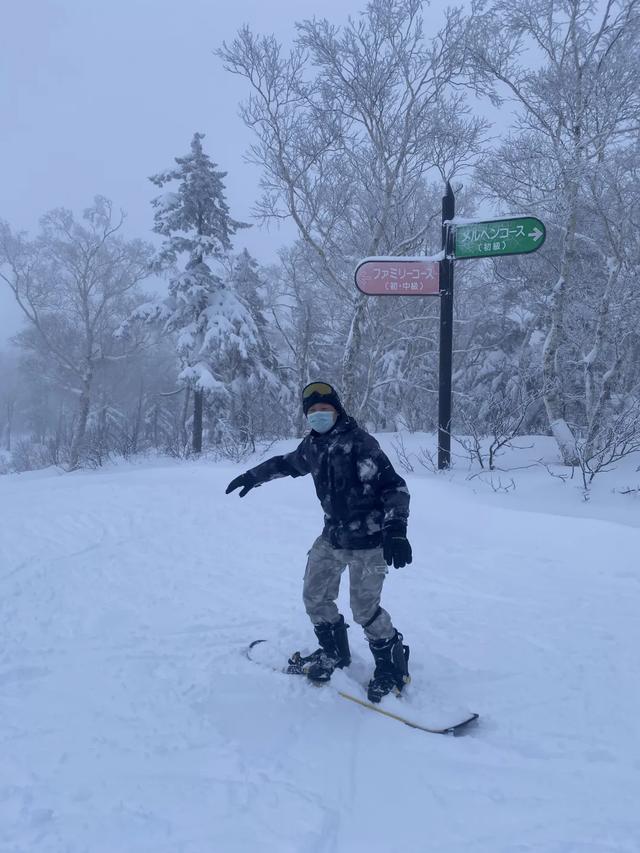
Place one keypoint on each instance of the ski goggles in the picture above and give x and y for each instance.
(323, 389)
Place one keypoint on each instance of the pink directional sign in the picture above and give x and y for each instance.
(398, 277)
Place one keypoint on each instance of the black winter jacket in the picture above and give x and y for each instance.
(357, 486)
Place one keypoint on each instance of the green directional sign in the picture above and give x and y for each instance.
(514, 236)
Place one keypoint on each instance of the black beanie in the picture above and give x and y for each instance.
(316, 396)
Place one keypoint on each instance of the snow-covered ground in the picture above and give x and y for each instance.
(130, 722)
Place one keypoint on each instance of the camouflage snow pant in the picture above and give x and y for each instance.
(367, 571)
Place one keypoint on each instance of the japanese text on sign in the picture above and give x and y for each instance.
(488, 234)
(380, 276)
(493, 238)
(515, 236)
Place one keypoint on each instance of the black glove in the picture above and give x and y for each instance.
(395, 546)
(246, 481)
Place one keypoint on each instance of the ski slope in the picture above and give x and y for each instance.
(130, 721)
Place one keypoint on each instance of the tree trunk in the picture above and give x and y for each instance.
(597, 417)
(198, 399)
(600, 343)
(59, 436)
(154, 428)
(351, 352)
(10, 410)
(78, 441)
(553, 392)
(135, 437)
(184, 440)
(303, 368)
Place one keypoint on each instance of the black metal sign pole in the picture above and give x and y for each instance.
(446, 332)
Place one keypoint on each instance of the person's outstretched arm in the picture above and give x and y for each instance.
(292, 464)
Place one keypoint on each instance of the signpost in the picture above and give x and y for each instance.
(445, 366)
(422, 276)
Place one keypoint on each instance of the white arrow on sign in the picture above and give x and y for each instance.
(536, 234)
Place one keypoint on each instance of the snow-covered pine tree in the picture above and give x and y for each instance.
(248, 282)
(257, 288)
(218, 342)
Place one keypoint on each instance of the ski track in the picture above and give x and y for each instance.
(131, 722)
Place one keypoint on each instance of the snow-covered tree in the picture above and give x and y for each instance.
(75, 284)
(11, 393)
(350, 126)
(194, 218)
(577, 102)
(219, 343)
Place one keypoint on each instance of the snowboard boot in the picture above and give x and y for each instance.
(392, 667)
(333, 652)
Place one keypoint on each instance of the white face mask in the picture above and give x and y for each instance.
(321, 421)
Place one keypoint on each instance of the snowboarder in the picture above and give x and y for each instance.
(366, 506)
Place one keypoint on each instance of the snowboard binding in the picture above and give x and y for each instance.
(333, 653)
(392, 667)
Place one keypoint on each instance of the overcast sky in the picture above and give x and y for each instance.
(96, 96)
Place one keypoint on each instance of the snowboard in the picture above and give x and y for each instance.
(455, 728)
